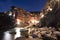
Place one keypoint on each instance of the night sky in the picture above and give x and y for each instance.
(30, 5)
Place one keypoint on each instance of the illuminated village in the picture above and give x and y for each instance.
(43, 25)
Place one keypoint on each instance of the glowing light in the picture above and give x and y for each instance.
(18, 21)
(34, 21)
(42, 16)
(18, 33)
(10, 14)
(13, 15)
(7, 36)
(15, 8)
(50, 9)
